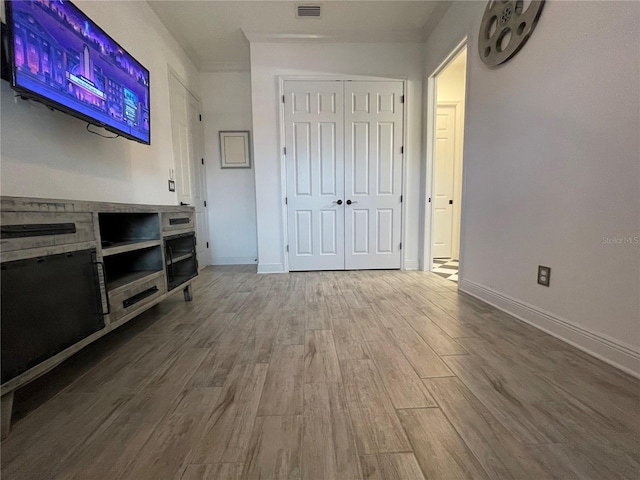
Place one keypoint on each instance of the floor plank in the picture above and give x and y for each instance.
(320, 357)
(316, 316)
(98, 412)
(402, 383)
(454, 327)
(441, 453)
(283, 387)
(434, 336)
(397, 466)
(115, 448)
(500, 396)
(215, 366)
(498, 451)
(291, 330)
(369, 323)
(228, 431)
(423, 359)
(574, 461)
(260, 340)
(328, 446)
(274, 453)
(375, 423)
(349, 341)
(218, 471)
(166, 450)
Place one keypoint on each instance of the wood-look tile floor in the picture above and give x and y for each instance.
(327, 376)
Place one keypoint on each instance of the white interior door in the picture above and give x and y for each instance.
(373, 175)
(188, 147)
(199, 186)
(314, 158)
(181, 140)
(444, 178)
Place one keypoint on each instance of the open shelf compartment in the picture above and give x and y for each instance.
(126, 268)
(117, 230)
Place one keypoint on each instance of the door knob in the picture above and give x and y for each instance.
(349, 202)
(339, 202)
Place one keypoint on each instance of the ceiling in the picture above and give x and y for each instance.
(215, 34)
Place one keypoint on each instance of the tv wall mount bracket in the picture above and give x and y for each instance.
(506, 26)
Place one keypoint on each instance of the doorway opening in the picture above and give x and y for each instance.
(447, 165)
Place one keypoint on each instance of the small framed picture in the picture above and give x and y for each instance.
(234, 149)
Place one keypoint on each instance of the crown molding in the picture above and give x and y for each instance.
(408, 36)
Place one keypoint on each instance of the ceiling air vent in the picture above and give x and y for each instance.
(307, 11)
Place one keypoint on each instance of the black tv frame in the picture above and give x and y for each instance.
(27, 94)
(6, 66)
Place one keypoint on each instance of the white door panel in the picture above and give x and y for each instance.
(444, 181)
(373, 174)
(343, 142)
(314, 141)
(188, 147)
(198, 178)
(180, 133)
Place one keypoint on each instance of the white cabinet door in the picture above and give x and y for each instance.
(373, 174)
(314, 126)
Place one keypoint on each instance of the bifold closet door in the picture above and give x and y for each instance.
(314, 140)
(344, 174)
(373, 174)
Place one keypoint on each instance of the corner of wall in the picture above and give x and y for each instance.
(233, 261)
(271, 268)
(411, 265)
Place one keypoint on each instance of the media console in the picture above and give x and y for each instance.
(73, 271)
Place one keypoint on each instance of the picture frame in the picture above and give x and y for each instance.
(234, 149)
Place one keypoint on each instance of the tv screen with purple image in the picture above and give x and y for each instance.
(62, 58)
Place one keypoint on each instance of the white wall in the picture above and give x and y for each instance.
(226, 103)
(50, 154)
(268, 62)
(552, 169)
(451, 84)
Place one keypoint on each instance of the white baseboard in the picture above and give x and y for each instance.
(271, 268)
(607, 349)
(411, 265)
(233, 260)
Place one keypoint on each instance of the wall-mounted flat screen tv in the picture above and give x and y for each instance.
(64, 60)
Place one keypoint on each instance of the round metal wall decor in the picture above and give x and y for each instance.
(506, 27)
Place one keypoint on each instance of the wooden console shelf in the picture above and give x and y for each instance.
(122, 247)
(128, 258)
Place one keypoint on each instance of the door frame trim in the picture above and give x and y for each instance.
(281, 144)
(430, 149)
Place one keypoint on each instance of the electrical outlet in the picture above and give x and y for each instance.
(544, 275)
(172, 186)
